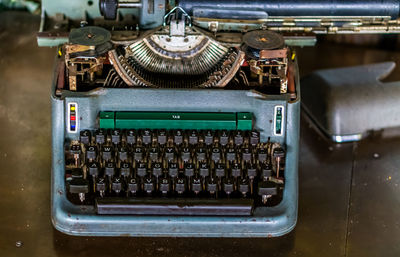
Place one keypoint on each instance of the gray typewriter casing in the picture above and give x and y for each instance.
(82, 220)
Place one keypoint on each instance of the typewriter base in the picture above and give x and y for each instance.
(82, 220)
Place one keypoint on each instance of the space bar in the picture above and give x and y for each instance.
(174, 207)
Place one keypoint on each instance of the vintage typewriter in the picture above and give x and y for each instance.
(181, 118)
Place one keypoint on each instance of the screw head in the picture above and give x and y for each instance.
(18, 244)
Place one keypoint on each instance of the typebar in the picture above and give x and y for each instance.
(174, 207)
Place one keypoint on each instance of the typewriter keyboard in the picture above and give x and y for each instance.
(174, 172)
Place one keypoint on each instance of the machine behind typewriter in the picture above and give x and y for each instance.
(181, 118)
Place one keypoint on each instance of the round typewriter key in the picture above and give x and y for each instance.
(146, 136)
(178, 137)
(169, 153)
(141, 169)
(106, 153)
(246, 154)
(180, 185)
(109, 169)
(228, 185)
(193, 137)
(101, 186)
(162, 136)
(230, 154)
(131, 136)
(100, 136)
(125, 170)
(254, 137)
(173, 169)
(91, 153)
(133, 185)
(223, 137)
(189, 169)
(220, 170)
(211, 185)
(251, 170)
(238, 137)
(116, 185)
(244, 186)
(204, 170)
(138, 153)
(261, 155)
(156, 169)
(148, 184)
(236, 170)
(164, 185)
(195, 185)
(93, 169)
(85, 137)
(122, 153)
(185, 154)
(201, 154)
(208, 137)
(153, 153)
(216, 154)
(116, 136)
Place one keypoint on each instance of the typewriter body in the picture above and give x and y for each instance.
(181, 118)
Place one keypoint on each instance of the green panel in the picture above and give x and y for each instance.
(244, 121)
(107, 120)
(176, 120)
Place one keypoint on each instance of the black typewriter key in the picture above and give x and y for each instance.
(91, 153)
(141, 169)
(125, 169)
(106, 153)
(76, 173)
(173, 169)
(238, 137)
(266, 170)
(162, 136)
(180, 185)
(85, 137)
(262, 155)
(246, 154)
(185, 154)
(79, 186)
(131, 136)
(133, 185)
(208, 137)
(149, 184)
(211, 185)
(93, 169)
(146, 136)
(223, 137)
(178, 137)
(220, 170)
(228, 185)
(109, 169)
(254, 137)
(138, 153)
(156, 169)
(101, 186)
(115, 136)
(201, 153)
(236, 170)
(154, 153)
(75, 149)
(193, 137)
(169, 153)
(244, 186)
(230, 154)
(189, 169)
(164, 185)
(251, 170)
(195, 184)
(116, 185)
(266, 189)
(204, 169)
(122, 153)
(100, 136)
(216, 154)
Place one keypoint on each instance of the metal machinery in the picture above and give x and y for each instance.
(181, 118)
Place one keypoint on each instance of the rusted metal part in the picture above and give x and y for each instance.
(232, 72)
(60, 74)
(268, 54)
